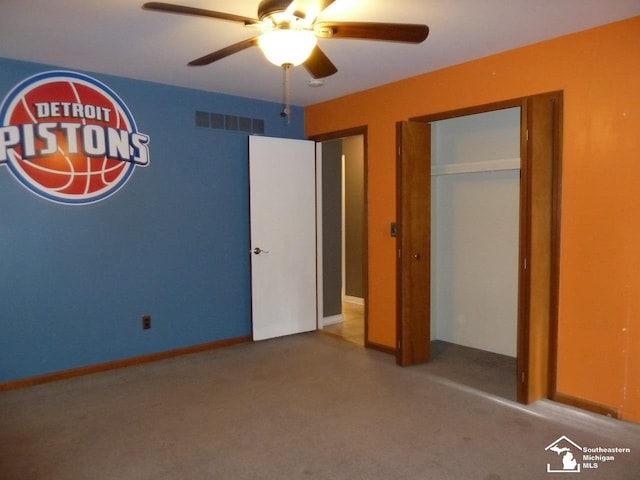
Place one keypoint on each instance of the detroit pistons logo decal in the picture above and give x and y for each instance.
(69, 138)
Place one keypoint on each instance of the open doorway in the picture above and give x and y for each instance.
(342, 220)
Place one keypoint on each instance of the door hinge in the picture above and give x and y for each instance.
(522, 376)
(527, 134)
(525, 263)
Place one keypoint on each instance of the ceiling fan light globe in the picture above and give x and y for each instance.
(287, 46)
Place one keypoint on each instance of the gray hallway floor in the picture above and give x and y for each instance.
(307, 406)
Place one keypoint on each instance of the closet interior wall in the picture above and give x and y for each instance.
(475, 230)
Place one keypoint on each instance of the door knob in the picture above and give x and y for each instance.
(416, 256)
(258, 251)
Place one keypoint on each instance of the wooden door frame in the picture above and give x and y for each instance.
(336, 135)
(530, 357)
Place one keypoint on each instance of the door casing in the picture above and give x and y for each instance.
(361, 130)
(538, 279)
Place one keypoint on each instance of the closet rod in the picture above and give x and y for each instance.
(476, 167)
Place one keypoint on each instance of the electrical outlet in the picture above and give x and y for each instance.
(146, 322)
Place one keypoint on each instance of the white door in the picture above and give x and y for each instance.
(283, 236)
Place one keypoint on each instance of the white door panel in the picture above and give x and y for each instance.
(283, 223)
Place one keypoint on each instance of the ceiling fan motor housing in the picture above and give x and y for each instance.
(268, 8)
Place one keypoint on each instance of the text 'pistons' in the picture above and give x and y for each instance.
(43, 139)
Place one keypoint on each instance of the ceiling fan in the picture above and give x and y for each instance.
(289, 32)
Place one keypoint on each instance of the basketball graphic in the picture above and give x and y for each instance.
(69, 138)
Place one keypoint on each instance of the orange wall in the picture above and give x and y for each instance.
(599, 309)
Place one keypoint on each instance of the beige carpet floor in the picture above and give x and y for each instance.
(308, 406)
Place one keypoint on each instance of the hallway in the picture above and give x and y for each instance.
(352, 327)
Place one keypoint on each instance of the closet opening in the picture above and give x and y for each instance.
(475, 212)
(465, 296)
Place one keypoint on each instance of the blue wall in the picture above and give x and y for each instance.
(173, 242)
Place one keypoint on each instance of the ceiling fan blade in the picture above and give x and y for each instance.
(392, 32)
(200, 12)
(308, 9)
(319, 65)
(225, 52)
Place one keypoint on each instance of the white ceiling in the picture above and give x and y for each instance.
(118, 37)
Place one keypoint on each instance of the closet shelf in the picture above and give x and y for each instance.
(476, 167)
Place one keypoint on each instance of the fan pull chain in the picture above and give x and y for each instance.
(286, 94)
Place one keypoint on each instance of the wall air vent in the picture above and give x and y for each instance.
(224, 121)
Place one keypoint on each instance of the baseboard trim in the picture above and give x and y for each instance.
(332, 319)
(586, 405)
(380, 348)
(126, 362)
